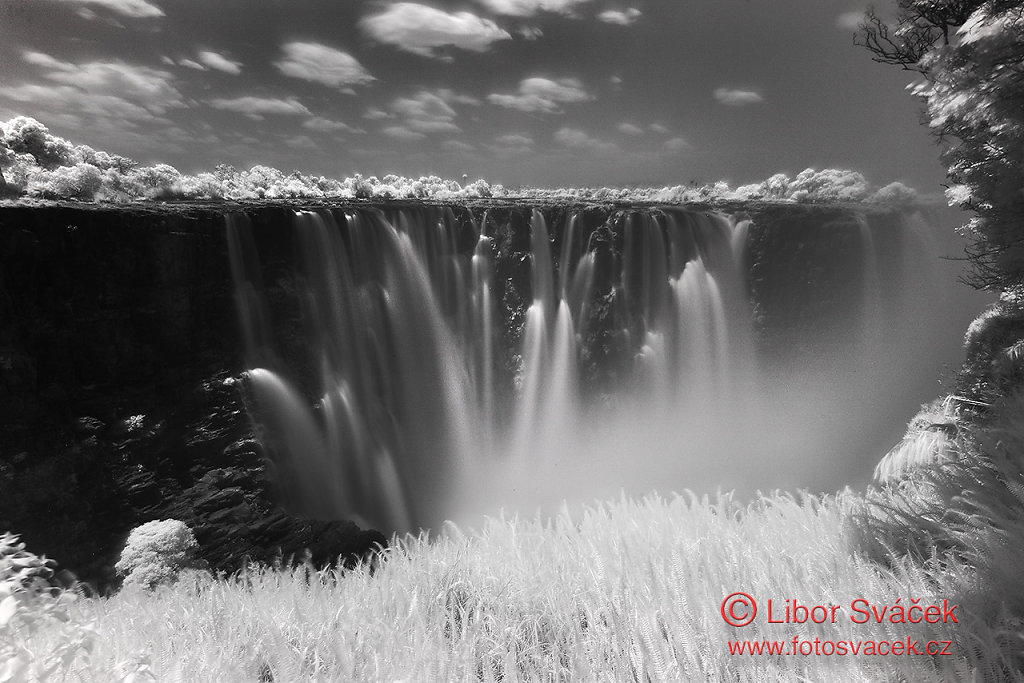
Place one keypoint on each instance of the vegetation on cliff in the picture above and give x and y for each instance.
(38, 163)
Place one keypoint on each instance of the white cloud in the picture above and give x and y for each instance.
(374, 114)
(322, 64)
(422, 29)
(60, 99)
(676, 144)
(850, 21)
(630, 129)
(425, 112)
(512, 144)
(217, 61)
(136, 9)
(735, 97)
(449, 95)
(577, 139)
(658, 128)
(188, 63)
(322, 125)
(543, 95)
(257, 107)
(145, 86)
(528, 8)
(514, 140)
(403, 133)
(620, 17)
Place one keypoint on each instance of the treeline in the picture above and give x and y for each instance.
(36, 163)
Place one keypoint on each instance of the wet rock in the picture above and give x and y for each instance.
(89, 425)
(218, 500)
(141, 488)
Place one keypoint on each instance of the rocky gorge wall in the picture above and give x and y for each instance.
(121, 398)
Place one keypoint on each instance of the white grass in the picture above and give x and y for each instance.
(629, 592)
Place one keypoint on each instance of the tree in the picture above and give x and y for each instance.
(920, 25)
(973, 89)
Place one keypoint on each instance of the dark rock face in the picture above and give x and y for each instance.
(119, 399)
(120, 362)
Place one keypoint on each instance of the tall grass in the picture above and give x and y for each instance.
(626, 591)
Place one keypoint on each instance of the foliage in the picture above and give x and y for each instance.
(626, 591)
(157, 553)
(41, 164)
(828, 185)
(931, 440)
(919, 26)
(965, 514)
(29, 603)
(975, 99)
(970, 54)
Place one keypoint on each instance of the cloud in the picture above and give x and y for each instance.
(577, 139)
(322, 64)
(543, 95)
(60, 99)
(850, 21)
(528, 8)
(322, 125)
(734, 97)
(143, 85)
(514, 140)
(450, 96)
(621, 18)
(403, 133)
(422, 29)
(425, 112)
(136, 9)
(630, 129)
(190, 64)
(374, 114)
(301, 142)
(217, 61)
(512, 144)
(657, 128)
(676, 144)
(257, 107)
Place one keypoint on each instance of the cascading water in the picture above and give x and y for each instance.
(442, 366)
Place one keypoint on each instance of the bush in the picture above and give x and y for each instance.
(22, 571)
(157, 553)
(81, 181)
(28, 602)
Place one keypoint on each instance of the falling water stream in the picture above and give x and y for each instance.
(443, 374)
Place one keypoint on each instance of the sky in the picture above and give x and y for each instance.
(519, 92)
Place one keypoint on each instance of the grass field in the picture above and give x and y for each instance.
(629, 591)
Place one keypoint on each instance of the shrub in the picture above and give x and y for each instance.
(157, 552)
(81, 181)
(894, 193)
(29, 601)
(22, 571)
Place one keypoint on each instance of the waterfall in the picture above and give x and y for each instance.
(417, 364)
